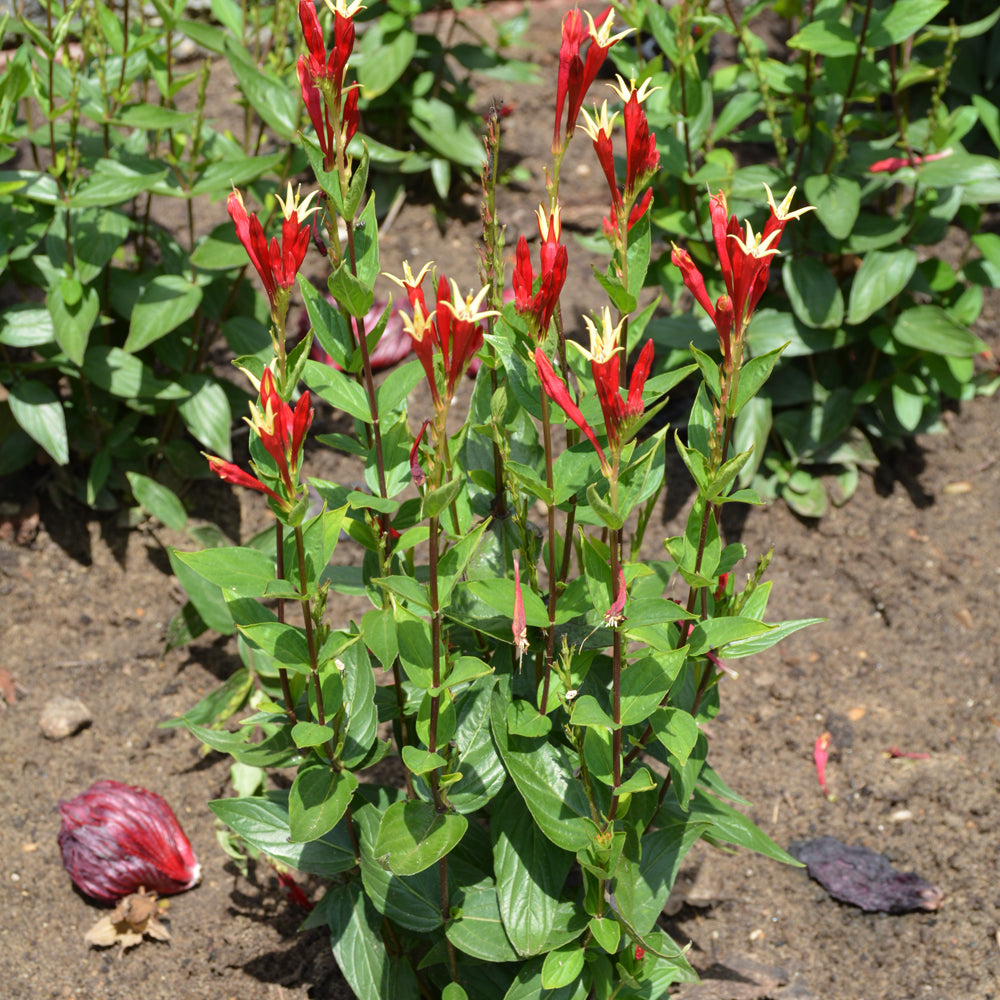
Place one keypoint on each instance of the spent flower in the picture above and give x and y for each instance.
(117, 838)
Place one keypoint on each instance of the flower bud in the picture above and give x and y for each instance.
(117, 838)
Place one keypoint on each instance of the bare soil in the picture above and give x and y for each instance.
(907, 575)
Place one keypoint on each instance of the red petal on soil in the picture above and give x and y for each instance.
(116, 838)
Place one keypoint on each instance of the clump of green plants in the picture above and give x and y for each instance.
(535, 667)
(118, 303)
(859, 113)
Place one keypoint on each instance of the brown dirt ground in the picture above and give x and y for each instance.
(907, 574)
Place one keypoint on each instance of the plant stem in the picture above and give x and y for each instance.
(286, 691)
(550, 632)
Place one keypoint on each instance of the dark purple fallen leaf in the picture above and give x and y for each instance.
(859, 876)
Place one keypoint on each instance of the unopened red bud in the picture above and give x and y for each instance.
(116, 838)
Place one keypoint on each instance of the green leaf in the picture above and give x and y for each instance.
(318, 799)
(73, 317)
(837, 201)
(498, 594)
(311, 734)
(153, 117)
(530, 873)
(881, 277)
(112, 183)
(413, 835)
(606, 932)
(437, 500)
(206, 413)
(271, 98)
(528, 986)
(728, 825)
(930, 328)
(26, 325)
(274, 751)
(754, 373)
(642, 887)
(478, 928)
(562, 966)
(166, 302)
(612, 518)
(262, 821)
(677, 731)
(900, 21)
(414, 902)
(159, 501)
(436, 123)
(386, 64)
(643, 685)
(353, 295)
(220, 250)
(813, 292)
(715, 633)
(337, 389)
(481, 769)
(421, 761)
(361, 954)
(220, 703)
(40, 415)
(543, 774)
(125, 376)
(825, 37)
(239, 571)
(285, 643)
(206, 597)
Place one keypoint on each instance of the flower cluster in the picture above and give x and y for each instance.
(620, 416)
(451, 331)
(282, 432)
(745, 262)
(538, 306)
(332, 111)
(576, 74)
(641, 155)
(276, 262)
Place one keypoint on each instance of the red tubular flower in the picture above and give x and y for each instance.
(605, 344)
(745, 260)
(454, 329)
(634, 406)
(281, 431)
(276, 263)
(599, 127)
(321, 76)
(692, 278)
(820, 756)
(894, 163)
(575, 76)
(540, 305)
(642, 159)
(556, 390)
(118, 838)
(519, 622)
(615, 615)
(313, 101)
(230, 473)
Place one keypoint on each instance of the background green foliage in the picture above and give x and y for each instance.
(875, 319)
(116, 302)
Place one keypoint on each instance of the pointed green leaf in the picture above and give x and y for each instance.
(413, 835)
(530, 873)
(318, 799)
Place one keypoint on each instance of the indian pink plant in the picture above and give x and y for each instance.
(543, 695)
